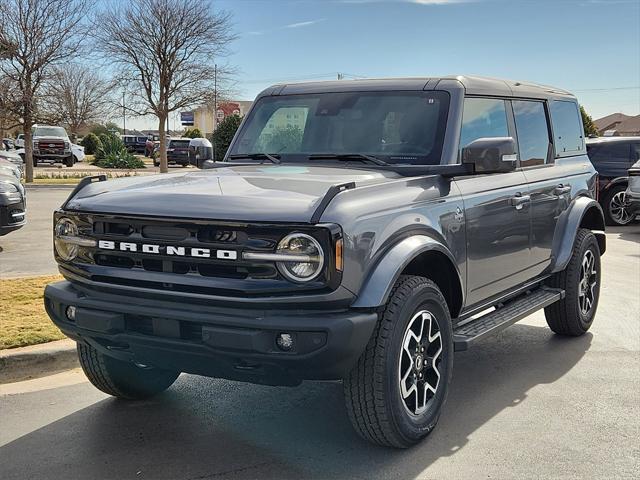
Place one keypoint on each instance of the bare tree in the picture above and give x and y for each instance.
(168, 49)
(76, 96)
(36, 35)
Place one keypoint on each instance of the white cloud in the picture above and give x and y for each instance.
(304, 24)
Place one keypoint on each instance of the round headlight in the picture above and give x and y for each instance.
(65, 228)
(305, 247)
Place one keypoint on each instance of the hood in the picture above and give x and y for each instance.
(260, 193)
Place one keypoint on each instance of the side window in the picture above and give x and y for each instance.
(609, 152)
(483, 117)
(533, 132)
(567, 128)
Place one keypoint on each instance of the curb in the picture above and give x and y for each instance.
(17, 364)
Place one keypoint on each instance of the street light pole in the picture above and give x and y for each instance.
(124, 115)
(215, 108)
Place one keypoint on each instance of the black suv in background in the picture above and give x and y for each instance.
(612, 157)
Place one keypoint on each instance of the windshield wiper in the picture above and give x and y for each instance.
(347, 157)
(275, 158)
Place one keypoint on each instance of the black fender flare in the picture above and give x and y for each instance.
(377, 287)
(584, 212)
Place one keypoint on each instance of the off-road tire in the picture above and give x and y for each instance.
(606, 207)
(69, 161)
(372, 393)
(122, 379)
(565, 317)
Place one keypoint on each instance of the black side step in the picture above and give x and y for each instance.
(504, 316)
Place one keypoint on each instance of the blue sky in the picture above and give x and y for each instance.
(590, 47)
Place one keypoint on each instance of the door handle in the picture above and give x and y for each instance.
(562, 189)
(520, 200)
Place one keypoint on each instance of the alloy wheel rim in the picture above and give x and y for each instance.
(588, 282)
(618, 208)
(420, 362)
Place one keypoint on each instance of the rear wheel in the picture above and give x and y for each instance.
(615, 206)
(396, 391)
(123, 379)
(574, 314)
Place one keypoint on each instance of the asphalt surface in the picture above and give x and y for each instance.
(29, 250)
(523, 404)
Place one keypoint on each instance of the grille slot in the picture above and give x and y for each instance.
(165, 233)
(114, 261)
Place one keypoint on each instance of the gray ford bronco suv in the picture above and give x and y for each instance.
(360, 231)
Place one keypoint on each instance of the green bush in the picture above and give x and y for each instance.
(223, 135)
(112, 153)
(121, 159)
(192, 133)
(91, 143)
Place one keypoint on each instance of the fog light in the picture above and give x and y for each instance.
(71, 313)
(284, 341)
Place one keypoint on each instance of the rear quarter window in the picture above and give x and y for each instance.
(567, 128)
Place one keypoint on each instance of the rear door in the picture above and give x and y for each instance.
(497, 212)
(549, 186)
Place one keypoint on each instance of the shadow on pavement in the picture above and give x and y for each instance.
(203, 428)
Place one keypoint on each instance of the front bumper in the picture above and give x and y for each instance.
(12, 212)
(633, 202)
(211, 340)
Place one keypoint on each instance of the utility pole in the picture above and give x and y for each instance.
(340, 76)
(124, 115)
(215, 107)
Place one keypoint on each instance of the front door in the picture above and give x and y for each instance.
(497, 210)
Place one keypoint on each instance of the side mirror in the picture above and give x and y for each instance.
(491, 155)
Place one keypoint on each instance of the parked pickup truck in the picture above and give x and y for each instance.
(403, 220)
(51, 144)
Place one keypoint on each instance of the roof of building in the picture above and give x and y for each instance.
(609, 120)
(471, 84)
(631, 124)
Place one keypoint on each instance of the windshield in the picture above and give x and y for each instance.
(49, 132)
(179, 143)
(397, 127)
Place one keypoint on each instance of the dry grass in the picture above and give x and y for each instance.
(23, 320)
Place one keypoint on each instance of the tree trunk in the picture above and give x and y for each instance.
(164, 165)
(28, 148)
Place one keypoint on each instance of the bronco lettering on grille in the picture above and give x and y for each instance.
(167, 250)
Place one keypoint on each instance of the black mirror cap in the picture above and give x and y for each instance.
(491, 155)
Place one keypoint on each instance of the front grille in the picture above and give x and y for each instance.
(51, 147)
(178, 270)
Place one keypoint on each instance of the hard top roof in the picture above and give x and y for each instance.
(473, 85)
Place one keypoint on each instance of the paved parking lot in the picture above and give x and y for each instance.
(29, 251)
(523, 404)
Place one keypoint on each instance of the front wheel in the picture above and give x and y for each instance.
(123, 379)
(580, 280)
(396, 391)
(69, 161)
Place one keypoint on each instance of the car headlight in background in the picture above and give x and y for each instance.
(306, 257)
(66, 145)
(7, 187)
